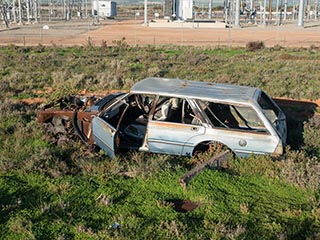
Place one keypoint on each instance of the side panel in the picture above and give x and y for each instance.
(104, 135)
(170, 138)
(242, 128)
(242, 143)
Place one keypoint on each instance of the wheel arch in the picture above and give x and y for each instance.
(205, 145)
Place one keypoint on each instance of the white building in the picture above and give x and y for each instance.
(104, 9)
(179, 9)
(184, 9)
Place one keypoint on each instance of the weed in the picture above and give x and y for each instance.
(104, 45)
(254, 46)
(301, 169)
(311, 135)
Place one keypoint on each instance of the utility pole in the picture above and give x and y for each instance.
(264, 12)
(277, 13)
(237, 14)
(226, 11)
(20, 11)
(270, 11)
(68, 10)
(301, 14)
(36, 11)
(210, 9)
(28, 11)
(316, 10)
(65, 9)
(14, 11)
(145, 12)
(86, 6)
(285, 10)
(49, 10)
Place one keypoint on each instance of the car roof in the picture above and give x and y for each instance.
(195, 89)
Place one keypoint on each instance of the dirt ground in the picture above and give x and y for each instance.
(134, 32)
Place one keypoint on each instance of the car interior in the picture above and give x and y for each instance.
(131, 115)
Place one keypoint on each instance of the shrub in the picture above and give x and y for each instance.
(311, 135)
(255, 45)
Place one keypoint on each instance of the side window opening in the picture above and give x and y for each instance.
(168, 109)
(248, 118)
(133, 126)
(130, 118)
(133, 112)
(221, 115)
(172, 109)
(232, 116)
(112, 116)
(162, 109)
(188, 116)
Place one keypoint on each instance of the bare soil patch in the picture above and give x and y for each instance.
(134, 32)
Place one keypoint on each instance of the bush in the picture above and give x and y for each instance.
(311, 135)
(254, 46)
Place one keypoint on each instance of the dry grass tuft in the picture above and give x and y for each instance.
(255, 45)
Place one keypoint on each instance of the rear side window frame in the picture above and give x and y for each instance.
(264, 129)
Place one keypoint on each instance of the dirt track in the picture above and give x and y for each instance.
(80, 33)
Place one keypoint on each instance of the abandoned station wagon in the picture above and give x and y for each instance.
(182, 117)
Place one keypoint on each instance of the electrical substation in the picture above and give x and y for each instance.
(231, 13)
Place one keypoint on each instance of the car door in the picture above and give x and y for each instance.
(104, 135)
(169, 136)
(105, 127)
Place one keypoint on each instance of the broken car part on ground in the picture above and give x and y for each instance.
(174, 116)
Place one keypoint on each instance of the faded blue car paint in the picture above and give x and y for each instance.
(172, 138)
(104, 135)
(181, 138)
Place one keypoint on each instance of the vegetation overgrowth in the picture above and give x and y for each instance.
(50, 191)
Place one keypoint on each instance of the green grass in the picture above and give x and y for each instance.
(66, 192)
(224, 52)
(61, 207)
(280, 72)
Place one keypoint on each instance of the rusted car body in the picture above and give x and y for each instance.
(181, 117)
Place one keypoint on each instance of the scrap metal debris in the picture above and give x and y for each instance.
(216, 161)
(72, 118)
(183, 206)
